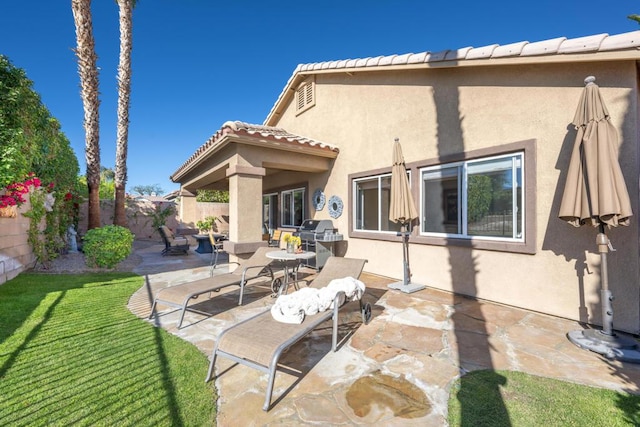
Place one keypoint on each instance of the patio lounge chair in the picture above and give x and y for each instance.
(259, 341)
(255, 267)
(173, 245)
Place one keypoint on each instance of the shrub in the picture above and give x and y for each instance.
(209, 223)
(107, 246)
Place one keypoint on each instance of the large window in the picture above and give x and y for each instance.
(372, 198)
(292, 207)
(481, 198)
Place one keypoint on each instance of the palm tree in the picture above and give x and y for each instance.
(124, 91)
(88, 71)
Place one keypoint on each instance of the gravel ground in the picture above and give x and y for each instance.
(75, 263)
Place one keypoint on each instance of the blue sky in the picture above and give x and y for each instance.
(199, 63)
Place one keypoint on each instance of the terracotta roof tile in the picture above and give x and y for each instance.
(241, 128)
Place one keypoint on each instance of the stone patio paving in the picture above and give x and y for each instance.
(397, 370)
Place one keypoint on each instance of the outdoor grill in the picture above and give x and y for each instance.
(313, 229)
(318, 236)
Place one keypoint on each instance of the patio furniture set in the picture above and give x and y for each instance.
(258, 342)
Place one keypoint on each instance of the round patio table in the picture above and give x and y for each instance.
(288, 258)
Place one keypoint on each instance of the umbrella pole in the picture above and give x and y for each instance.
(607, 310)
(405, 255)
(405, 285)
(605, 341)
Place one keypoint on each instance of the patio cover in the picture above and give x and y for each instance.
(278, 148)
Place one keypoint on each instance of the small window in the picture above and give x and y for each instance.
(372, 198)
(481, 198)
(305, 96)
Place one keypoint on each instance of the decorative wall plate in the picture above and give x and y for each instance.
(318, 200)
(335, 206)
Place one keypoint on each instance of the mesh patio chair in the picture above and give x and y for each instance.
(259, 341)
(253, 270)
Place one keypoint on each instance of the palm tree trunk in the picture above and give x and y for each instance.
(124, 91)
(88, 71)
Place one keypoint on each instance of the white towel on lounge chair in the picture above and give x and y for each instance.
(293, 307)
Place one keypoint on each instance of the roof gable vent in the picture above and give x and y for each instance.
(305, 96)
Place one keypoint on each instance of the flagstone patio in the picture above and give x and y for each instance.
(397, 370)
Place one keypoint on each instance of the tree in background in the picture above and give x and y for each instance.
(106, 174)
(217, 196)
(124, 92)
(88, 71)
(106, 191)
(148, 190)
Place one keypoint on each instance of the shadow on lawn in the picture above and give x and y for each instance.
(69, 357)
(21, 296)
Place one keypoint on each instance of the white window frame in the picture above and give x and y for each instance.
(462, 198)
(285, 221)
(357, 201)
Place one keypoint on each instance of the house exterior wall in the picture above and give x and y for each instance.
(440, 112)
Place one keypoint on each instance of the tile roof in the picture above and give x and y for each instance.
(524, 49)
(561, 45)
(267, 133)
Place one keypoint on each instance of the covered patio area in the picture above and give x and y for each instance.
(259, 166)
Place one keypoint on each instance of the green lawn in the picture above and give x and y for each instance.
(72, 353)
(501, 398)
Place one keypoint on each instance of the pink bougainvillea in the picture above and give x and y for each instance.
(15, 192)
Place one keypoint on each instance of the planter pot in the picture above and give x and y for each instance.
(8, 212)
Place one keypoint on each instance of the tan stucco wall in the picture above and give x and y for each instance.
(443, 111)
(190, 212)
(139, 215)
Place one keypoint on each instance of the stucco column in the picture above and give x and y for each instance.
(245, 209)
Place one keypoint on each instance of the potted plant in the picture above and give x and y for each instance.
(293, 243)
(207, 224)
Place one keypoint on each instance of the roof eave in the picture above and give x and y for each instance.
(269, 143)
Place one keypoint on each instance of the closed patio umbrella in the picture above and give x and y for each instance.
(402, 210)
(595, 194)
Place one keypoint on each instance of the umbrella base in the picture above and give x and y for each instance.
(406, 288)
(611, 346)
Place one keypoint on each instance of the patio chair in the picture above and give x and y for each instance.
(251, 269)
(173, 245)
(259, 341)
(217, 246)
(274, 240)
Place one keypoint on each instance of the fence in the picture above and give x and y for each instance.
(17, 256)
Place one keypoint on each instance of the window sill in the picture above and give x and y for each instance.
(528, 247)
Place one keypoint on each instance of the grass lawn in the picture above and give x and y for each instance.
(71, 353)
(504, 398)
